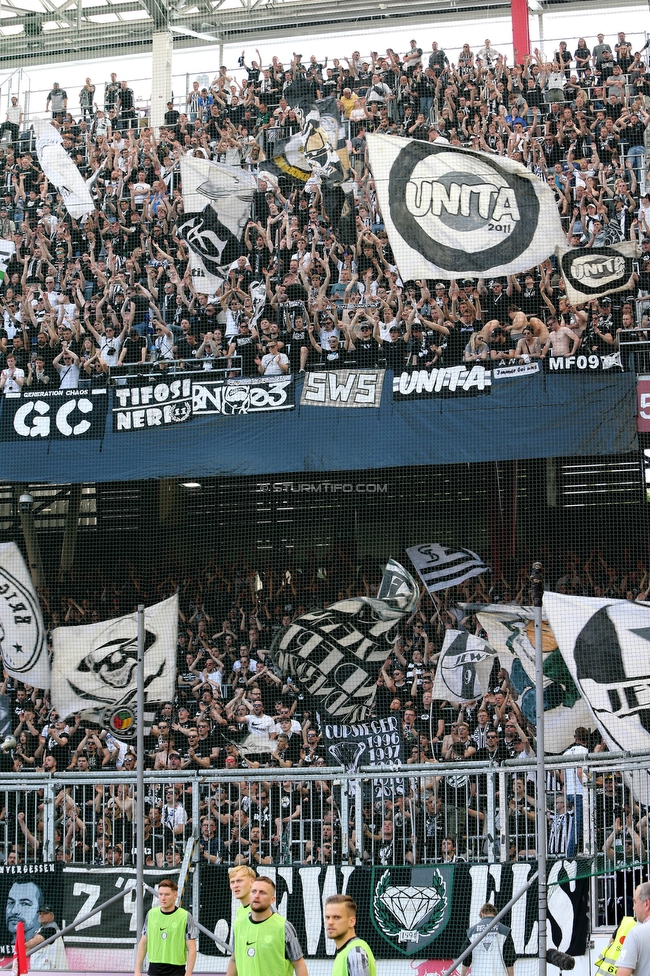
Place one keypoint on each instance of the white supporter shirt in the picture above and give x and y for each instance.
(260, 725)
(11, 386)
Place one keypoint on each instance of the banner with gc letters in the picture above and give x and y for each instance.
(166, 403)
(54, 415)
(422, 912)
(343, 388)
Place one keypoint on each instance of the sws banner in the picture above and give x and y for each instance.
(24, 888)
(343, 388)
(423, 912)
(447, 381)
(54, 415)
(451, 212)
(166, 403)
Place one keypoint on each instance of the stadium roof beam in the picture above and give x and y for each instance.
(80, 37)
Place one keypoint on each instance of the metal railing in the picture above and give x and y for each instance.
(415, 814)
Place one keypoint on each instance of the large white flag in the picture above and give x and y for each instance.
(606, 647)
(464, 668)
(440, 567)
(95, 665)
(217, 203)
(60, 170)
(510, 630)
(451, 212)
(22, 633)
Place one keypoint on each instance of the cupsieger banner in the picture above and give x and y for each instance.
(421, 912)
(166, 403)
(379, 740)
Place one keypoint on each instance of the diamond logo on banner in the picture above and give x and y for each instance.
(411, 915)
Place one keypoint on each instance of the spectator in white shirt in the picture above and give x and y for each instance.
(12, 378)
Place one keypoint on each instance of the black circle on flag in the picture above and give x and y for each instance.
(595, 271)
(483, 202)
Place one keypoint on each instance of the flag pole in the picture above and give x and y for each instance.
(537, 593)
(139, 891)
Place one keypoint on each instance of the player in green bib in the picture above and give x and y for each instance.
(353, 956)
(265, 943)
(240, 879)
(168, 937)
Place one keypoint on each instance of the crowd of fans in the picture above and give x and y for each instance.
(113, 292)
(235, 711)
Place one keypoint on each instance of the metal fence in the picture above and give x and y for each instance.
(420, 814)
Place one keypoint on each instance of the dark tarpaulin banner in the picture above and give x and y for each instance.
(365, 743)
(602, 409)
(423, 912)
(54, 415)
(24, 888)
(168, 403)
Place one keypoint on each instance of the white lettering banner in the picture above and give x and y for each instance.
(343, 388)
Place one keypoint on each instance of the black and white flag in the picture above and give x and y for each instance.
(95, 665)
(606, 647)
(22, 632)
(440, 567)
(451, 212)
(217, 202)
(334, 655)
(464, 668)
(592, 272)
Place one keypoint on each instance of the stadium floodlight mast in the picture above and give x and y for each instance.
(537, 595)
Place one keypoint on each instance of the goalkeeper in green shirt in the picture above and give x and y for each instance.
(353, 956)
(265, 943)
(168, 937)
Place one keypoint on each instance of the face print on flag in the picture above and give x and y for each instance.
(94, 666)
(334, 655)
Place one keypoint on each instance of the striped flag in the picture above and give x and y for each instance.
(440, 567)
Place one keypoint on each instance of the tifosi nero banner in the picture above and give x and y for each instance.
(169, 403)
